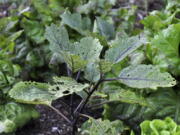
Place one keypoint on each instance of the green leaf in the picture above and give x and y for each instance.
(165, 47)
(102, 127)
(44, 12)
(137, 57)
(128, 96)
(31, 93)
(75, 55)
(74, 62)
(105, 29)
(157, 20)
(8, 42)
(168, 40)
(166, 103)
(146, 76)
(105, 66)
(160, 127)
(15, 35)
(14, 115)
(88, 49)
(122, 48)
(92, 72)
(8, 23)
(34, 58)
(65, 86)
(58, 38)
(34, 30)
(76, 22)
(87, 7)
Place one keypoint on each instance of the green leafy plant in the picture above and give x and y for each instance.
(49, 52)
(88, 52)
(12, 115)
(160, 127)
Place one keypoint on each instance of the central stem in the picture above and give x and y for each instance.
(82, 106)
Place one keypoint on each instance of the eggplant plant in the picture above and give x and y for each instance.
(86, 60)
(108, 64)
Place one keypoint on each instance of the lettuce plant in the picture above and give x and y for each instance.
(160, 127)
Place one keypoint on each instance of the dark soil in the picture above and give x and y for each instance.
(50, 123)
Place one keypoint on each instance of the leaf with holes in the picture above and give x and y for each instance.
(146, 76)
(122, 47)
(31, 93)
(65, 86)
(88, 49)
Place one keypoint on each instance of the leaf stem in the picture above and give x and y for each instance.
(61, 114)
(102, 103)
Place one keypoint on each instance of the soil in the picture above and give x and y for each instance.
(50, 123)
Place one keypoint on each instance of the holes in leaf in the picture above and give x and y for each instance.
(61, 83)
(57, 88)
(66, 92)
(53, 89)
(26, 83)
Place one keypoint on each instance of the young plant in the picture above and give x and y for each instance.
(86, 59)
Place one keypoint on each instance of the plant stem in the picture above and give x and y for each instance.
(83, 104)
(102, 103)
(61, 114)
(78, 75)
(72, 96)
(77, 108)
(111, 79)
(84, 115)
(68, 71)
